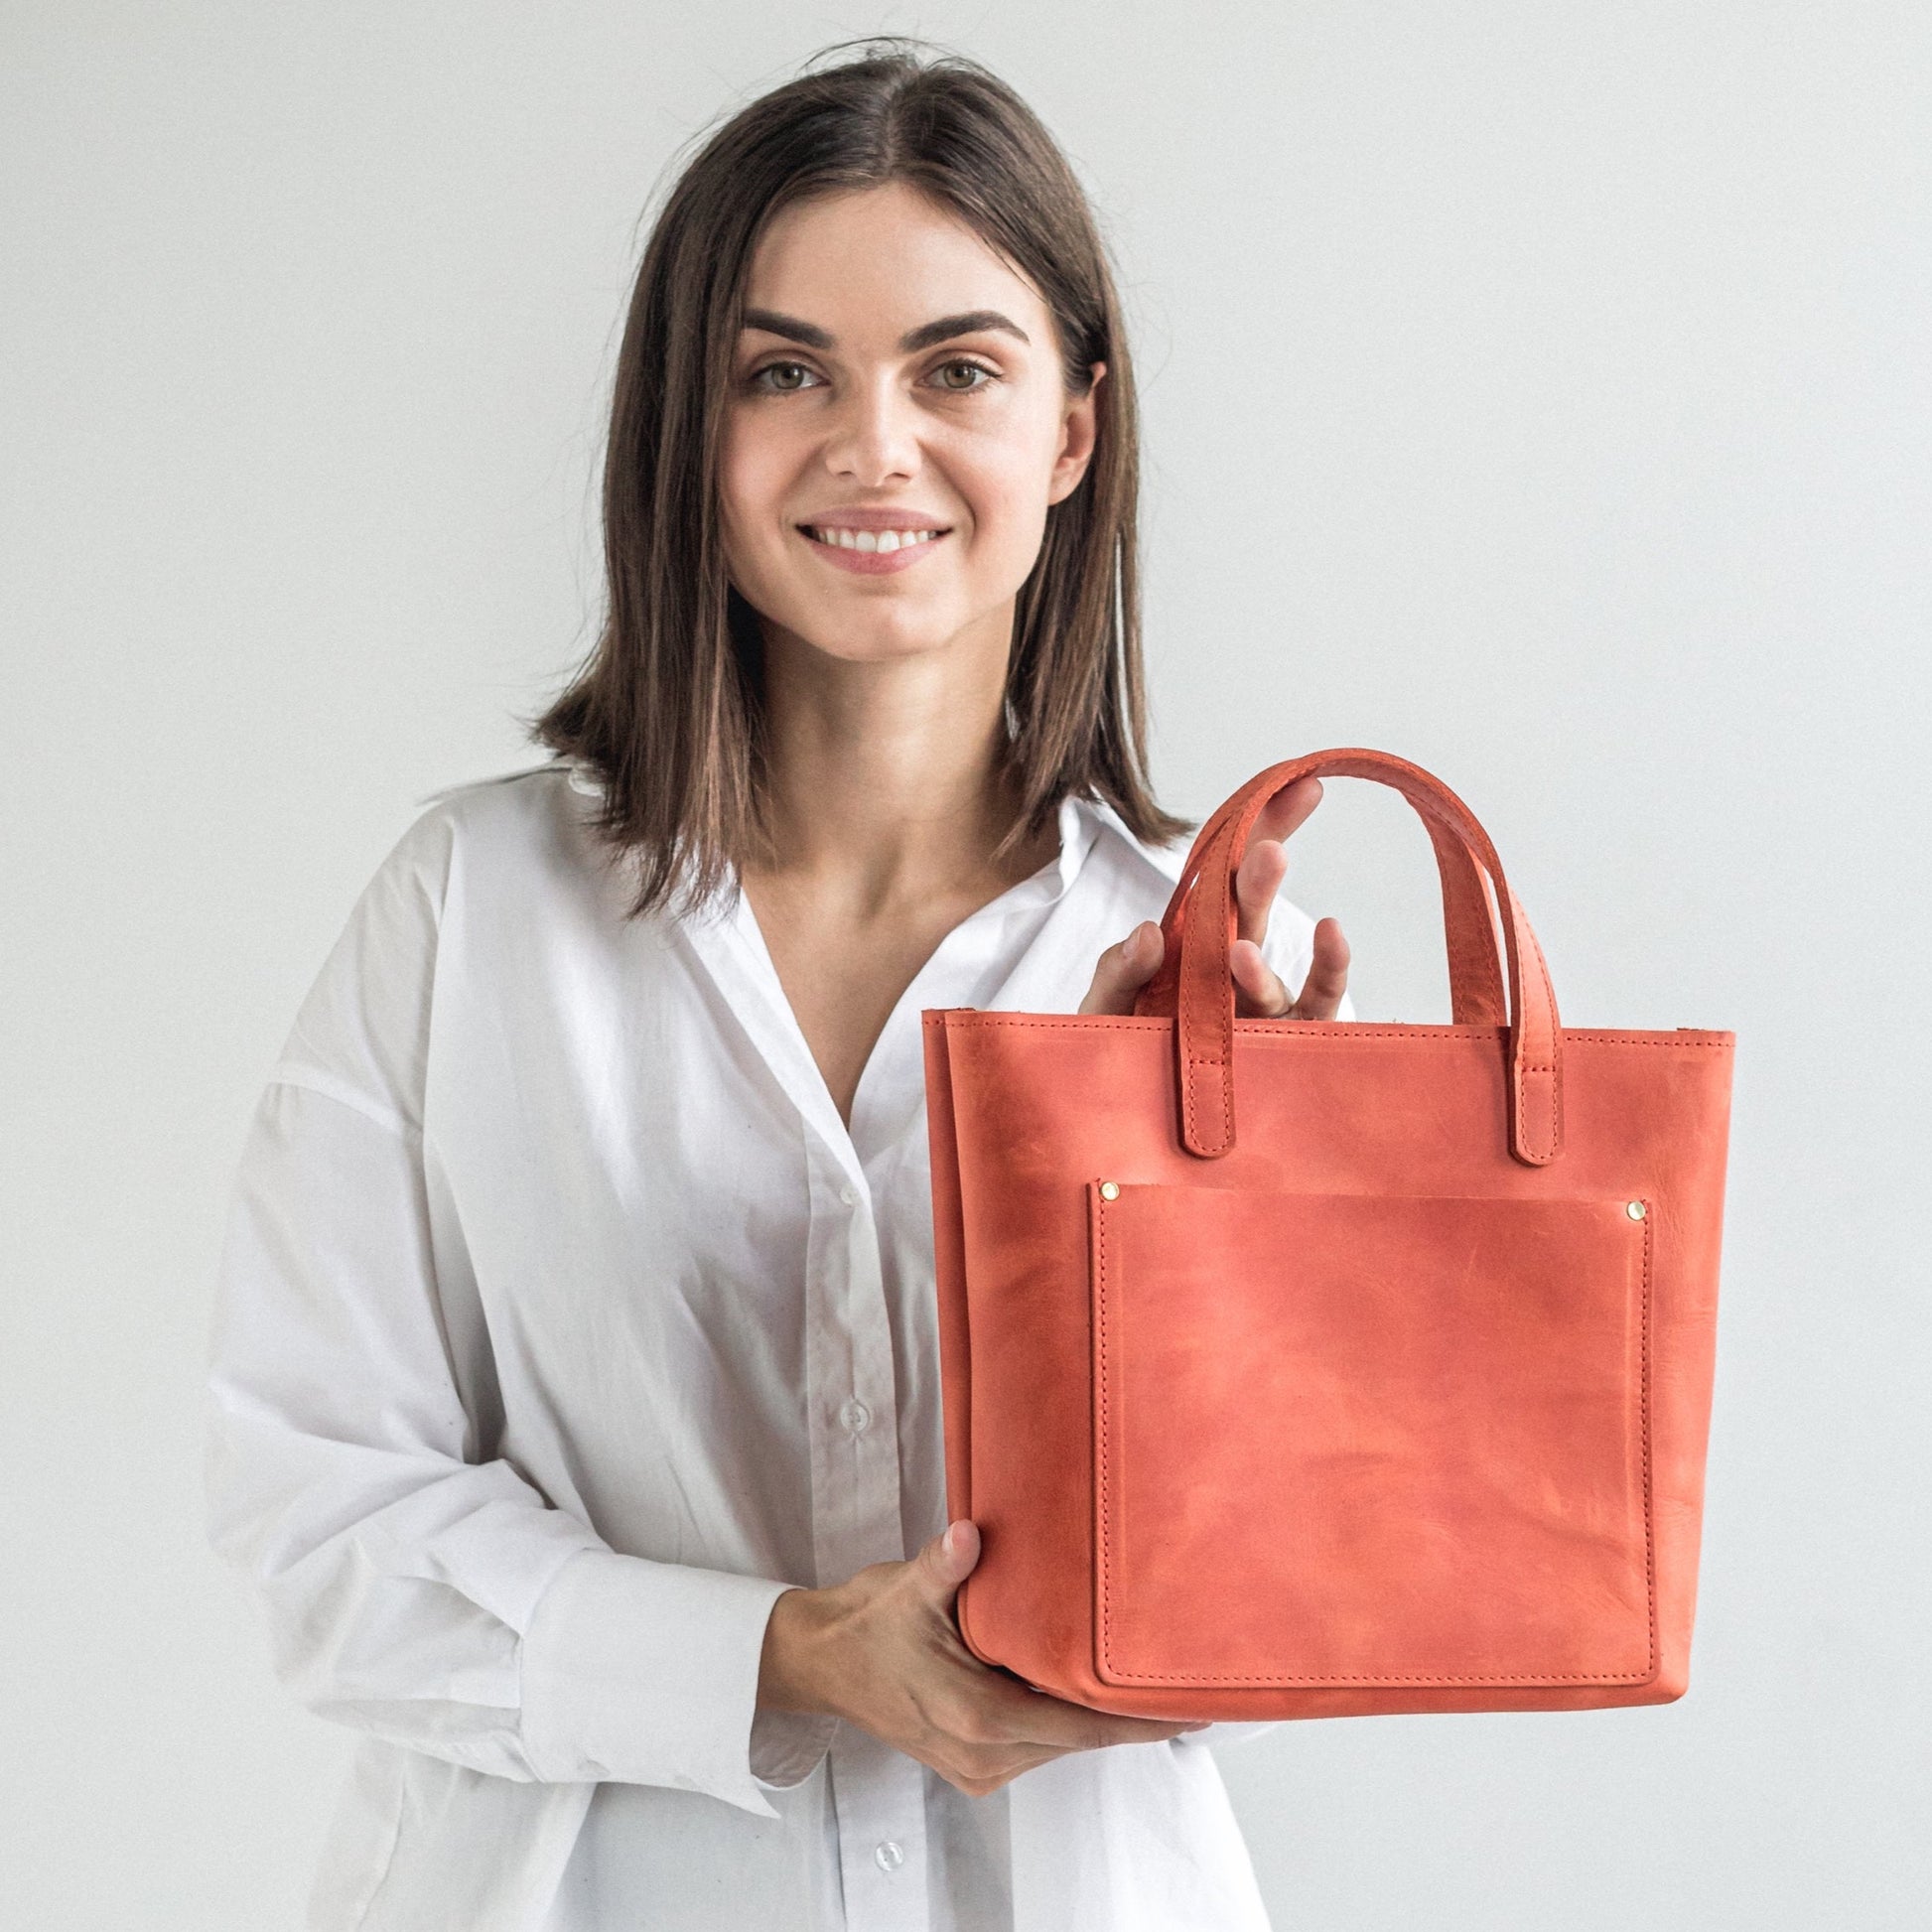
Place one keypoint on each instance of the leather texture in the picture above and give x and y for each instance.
(1316, 1369)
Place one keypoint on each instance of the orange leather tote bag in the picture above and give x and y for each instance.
(1303, 1369)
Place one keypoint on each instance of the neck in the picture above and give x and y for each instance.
(883, 775)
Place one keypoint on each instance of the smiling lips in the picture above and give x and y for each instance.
(873, 543)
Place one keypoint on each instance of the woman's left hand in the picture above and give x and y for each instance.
(1124, 969)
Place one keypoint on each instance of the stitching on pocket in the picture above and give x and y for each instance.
(1104, 1498)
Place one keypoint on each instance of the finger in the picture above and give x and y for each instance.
(1257, 879)
(1124, 969)
(1264, 864)
(1288, 809)
(985, 1766)
(948, 1561)
(1328, 979)
(1262, 994)
(1036, 1718)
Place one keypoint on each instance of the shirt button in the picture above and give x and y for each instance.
(889, 1854)
(848, 1193)
(855, 1415)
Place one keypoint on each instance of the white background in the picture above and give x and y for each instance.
(1537, 390)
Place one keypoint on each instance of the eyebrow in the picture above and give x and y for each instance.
(943, 329)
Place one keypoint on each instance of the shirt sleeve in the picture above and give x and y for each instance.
(414, 1584)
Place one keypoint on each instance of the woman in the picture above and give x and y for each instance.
(576, 1401)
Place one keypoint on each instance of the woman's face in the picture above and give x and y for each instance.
(898, 427)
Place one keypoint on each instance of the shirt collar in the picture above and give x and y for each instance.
(1083, 821)
(1077, 833)
(1163, 859)
(1087, 822)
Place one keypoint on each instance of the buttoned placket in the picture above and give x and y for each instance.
(877, 1793)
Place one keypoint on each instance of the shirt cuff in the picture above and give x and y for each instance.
(647, 1673)
(787, 1745)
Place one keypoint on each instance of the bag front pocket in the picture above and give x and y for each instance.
(1357, 1441)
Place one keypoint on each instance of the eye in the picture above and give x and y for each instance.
(963, 377)
(783, 379)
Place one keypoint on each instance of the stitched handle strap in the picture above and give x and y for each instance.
(1475, 972)
(1193, 984)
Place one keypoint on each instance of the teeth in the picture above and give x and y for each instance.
(874, 540)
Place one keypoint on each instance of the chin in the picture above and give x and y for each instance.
(869, 633)
(880, 644)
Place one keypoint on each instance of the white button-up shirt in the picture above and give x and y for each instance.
(562, 1324)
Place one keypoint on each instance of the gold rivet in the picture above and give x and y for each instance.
(1110, 1190)
(1635, 1211)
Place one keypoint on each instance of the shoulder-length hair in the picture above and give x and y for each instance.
(668, 710)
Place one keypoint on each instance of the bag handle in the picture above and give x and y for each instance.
(1193, 984)
(1475, 967)
(1475, 970)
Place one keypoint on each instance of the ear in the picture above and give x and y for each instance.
(1079, 427)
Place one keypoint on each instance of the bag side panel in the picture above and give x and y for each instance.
(1038, 1107)
(950, 1270)
(1659, 1105)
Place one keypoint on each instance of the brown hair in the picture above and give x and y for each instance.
(669, 709)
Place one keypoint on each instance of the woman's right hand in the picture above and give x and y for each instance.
(1124, 969)
(883, 1651)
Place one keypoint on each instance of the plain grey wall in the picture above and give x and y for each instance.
(1540, 392)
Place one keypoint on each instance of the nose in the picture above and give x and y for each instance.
(873, 436)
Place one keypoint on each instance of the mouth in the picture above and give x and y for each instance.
(871, 551)
(841, 537)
